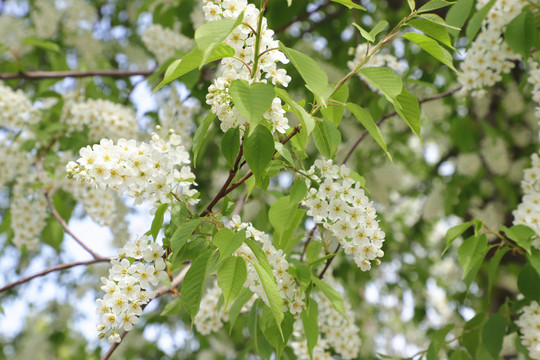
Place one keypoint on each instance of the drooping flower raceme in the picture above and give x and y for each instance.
(138, 266)
(529, 323)
(242, 40)
(146, 171)
(163, 42)
(340, 205)
(528, 211)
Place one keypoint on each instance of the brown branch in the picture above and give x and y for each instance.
(52, 269)
(387, 116)
(161, 291)
(37, 75)
(329, 262)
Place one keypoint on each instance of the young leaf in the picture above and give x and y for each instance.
(227, 241)
(332, 295)
(367, 121)
(521, 234)
(310, 320)
(433, 48)
(298, 191)
(493, 334)
(231, 276)
(520, 33)
(381, 25)
(458, 14)
(259, 150)
(365, 34)
(335, 113)
(230, 145)
(435, 31)
(193, 284)
(283, 151)
(348, 3)
(470, 255)
(314, 76)
(200, 134)
(252, 100)
(191, 62)
(453, 233)
(434, 5)
(327, 138)
(181, 235)
(436, 19)
(272, 293)
(157, 223)
(211, 34)
(476, 21)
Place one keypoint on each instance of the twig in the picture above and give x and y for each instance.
(387, 116)
(162, 290)
(329, 262)
(36, 75)
(52, 269)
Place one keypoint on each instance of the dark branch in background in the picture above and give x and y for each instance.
(37, 75)
(302, 17)
(161, 291)
(363, 136)
(53, 269)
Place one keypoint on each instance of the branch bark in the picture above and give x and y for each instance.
(38, 75)
(52, 269)
(161, 291)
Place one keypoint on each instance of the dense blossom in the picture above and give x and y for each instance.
(127, 289)
(489, 56)
(164, 43)
(534, 80)
(16, 110)
(339, 203)
(242, 40)
(529, 323)
(528, 211)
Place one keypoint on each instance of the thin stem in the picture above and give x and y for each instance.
(329, 262)
(52, 269)
(161, 291)
(257, 44)
(37, 75)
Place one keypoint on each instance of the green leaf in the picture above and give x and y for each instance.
(307, 121)
(191, 62)
(298, 191)
(384, 79)
(271, 330)
(236, 307)
(528, 280)
(172, 307)
(181, 235)
(335, 113)
(230, 145)
(252, 101)
(432, 47)
(231, 276)
(227, 241)
(453, 233)
(259, 150)
(314, 76)
(372, 35)
(193, 284)
(157, 223)
(435, 31)
(211, 34)
(520, 33)
(367, 121)
(260, 255)
(475, 23)
(310, 320)
(200, 134)
(433, 5)
(534, 259)
(332, 295)
(348, 3)
(44, 44)
(411, 4)
(327, 138)
(436, 19)
(283, 151)
(493, 266)
(272, 293)
(473, 341)
(179, 213)
(458, 14)
(302, 273)
(285, 217)
(521, 234)
(313, 250)
(53, 234)
(365, 34)
(493, 334)
(408, 108)
(438, 342)
(470, 256)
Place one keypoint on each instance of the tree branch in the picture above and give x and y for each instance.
(52, 269)
(162, 290)
(37, 75)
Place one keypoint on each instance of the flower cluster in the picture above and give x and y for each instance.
(341, 206)
(286, 284)
(528, 211)
(495, 155)
(103, 118)
(146, 171)
(163, 42)
(175, 114)
(16, 110)
(211, 317)
(534, 80)
(529, 323)
(377, 60)
(335, 331)
(139, 265)
(489, 55)
(242, 66)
